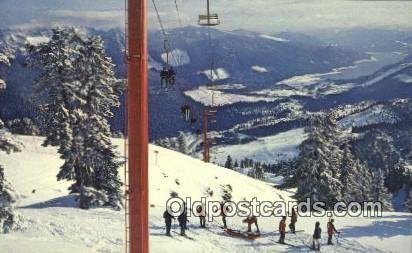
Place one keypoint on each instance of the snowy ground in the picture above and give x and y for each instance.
(52, 224)
(374, 115)
(213, 96)
(269, 149)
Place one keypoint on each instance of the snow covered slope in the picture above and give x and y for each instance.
(52, 224)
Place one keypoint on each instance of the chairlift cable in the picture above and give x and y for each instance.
(166, 40)
(178, 13)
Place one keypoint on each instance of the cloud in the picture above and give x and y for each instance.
(100, 19)
(267, 16)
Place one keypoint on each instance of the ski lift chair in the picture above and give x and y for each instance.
(164, 76)
(171, 76)
(208, 20)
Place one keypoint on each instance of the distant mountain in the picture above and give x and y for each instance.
(368, 39)
(248, 58)
(237, 52)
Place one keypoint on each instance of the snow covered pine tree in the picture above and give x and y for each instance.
(327, 170)
(9, 219)
(76, 90)
(318, 165)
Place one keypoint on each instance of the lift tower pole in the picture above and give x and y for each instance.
(137, 127)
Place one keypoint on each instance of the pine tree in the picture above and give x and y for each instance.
(181, 142)
(380, 192)
(355, 178)
(318, 171)
(229, 162)
(395, 177)
(236, 164)
(259, 173)
(77, 90)
(9, 219)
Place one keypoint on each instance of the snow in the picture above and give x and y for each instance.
(4, 59)
(36, 40)
(209, 96)
(385, 74)
(281, 92)
(269, 149)
(374, 115)
(278, 39)
(2, 84)
(259, 69)
(232, 86)
(404, 78)
(303, 80)
(177, 57)
(53, 225)
(216, 74)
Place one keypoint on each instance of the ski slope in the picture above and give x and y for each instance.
(52, 224)
(270, 149)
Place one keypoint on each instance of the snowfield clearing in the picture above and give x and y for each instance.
(36, 40)
(53, 224)
(216, 74)
(404, 78)
(278, 39)
(269, 149)
(177, 57)
(259, 69)
(374, 115)
(204, 95)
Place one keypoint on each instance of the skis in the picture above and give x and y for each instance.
(241, 234)
(296, 231)
(185, 236)
(285, 243)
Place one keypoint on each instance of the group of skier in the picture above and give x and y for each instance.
(252, 220)
(182, 219)
(317, 234)
(331, 230)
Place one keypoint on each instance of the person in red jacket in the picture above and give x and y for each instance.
(331, 230)
(282, 230)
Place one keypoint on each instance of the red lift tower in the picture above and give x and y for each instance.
(137, 230)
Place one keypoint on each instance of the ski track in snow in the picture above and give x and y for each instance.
(53, 224)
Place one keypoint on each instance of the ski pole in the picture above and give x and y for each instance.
(337, 238)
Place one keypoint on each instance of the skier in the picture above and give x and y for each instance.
(331, 231)
(164, 77)
(223, 214)
(202, 215)
(282, 230)
(316, 236)
(251, 220)
(171, 76)
(182, 219)
(168, 221)
(293, 220)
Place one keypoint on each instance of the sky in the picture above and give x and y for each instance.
(257, 15)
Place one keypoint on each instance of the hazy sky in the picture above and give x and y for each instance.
(258, 15)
